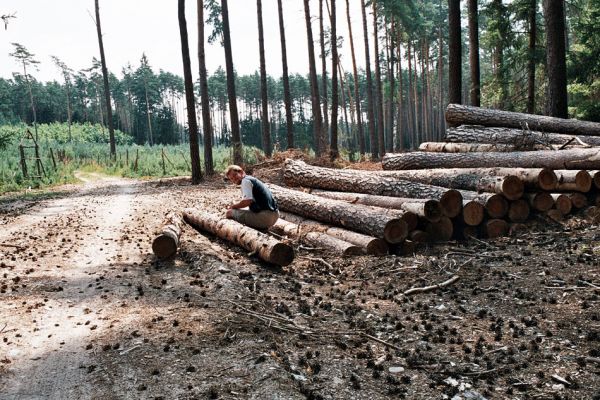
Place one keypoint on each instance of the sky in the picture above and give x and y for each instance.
(65, 28)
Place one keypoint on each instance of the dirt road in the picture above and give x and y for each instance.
(86, 312)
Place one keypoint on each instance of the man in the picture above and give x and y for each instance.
(263, 211)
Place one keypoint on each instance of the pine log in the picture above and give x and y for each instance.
(578, 200)
(563, 159)
(457, 114)
(573, 180)
(473, 212)
(562, 203)
(532, 178)
(541, 201)
(317, 239)
(495, 205)
(373, 245)
(518, 138)
(370, 220)
(298, 173)
(265, 246)
(459, 147)
(518, 210)
(440, 231)
(165, 244)
(555, 215)
(428, 209)
(495, 228)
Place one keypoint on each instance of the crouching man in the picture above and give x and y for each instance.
(263, 211)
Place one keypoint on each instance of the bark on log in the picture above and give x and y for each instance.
(363, 219)
(495, 228)
(562, 203)
(519, 138)
(165, 244)
(495, 205)
(518, 210)
(265, 246)
(373, 245)
(298, 173)
(460, 147)
(428, 209)
(532, 178)
(563, 159)
(541, 201)
(573, 180)
(457, 114)
(317, 239)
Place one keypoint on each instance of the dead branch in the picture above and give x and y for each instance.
(12, 245)
(412, 291)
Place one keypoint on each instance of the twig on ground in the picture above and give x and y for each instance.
(12, 245)
(412, 291)
(383, 342)
(482, 242)
(589, 284)
(560, 379)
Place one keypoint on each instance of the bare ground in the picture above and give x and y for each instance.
(86, 312)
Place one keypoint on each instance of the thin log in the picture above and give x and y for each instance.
(265, 246)
(573, 180)
(562, 159)
(448, 282)
(370, 220)
(457, 114)
(298, 173)
(428, 209)
(165, 244)
(540, 201)
(521, 139)
(317, 239)
(373, 245)
(562, 203)
(518, 210)
(496, 228)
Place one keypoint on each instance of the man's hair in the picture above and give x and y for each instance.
(233, 167)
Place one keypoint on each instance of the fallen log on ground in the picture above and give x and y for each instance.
(359, 218)
(532, 178)
(373, 245)
(428, 209)
(562, 159)
(165, 244)
(460, 147)
(265, 246)
(298, 173)
(457, 114)
(519, 138)
(573, 180)
(317, 239)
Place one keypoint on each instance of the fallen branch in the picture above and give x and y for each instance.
(383, 342)
(412, 291)
(12, 245)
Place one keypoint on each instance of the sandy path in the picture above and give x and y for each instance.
(55, 306)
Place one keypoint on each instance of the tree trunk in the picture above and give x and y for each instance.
(441, 103)
(389, 131)
(148, 117)
(401, 115)
(361, 134)
(334, 83)
(111, 130)
(556, 63)
(266, 247)
(236, 139)
(324, 82)
(299, 173)
(316, 239)
(520, 139)
(427, 209)
(370, 100)
(373, 245)
(287, 98)
(205, 99)
(465, 115)
(455, 53)
(441, 147)
(531, 57)
(189, 96)
(266, 128)
(165, 244)
(378, 89)
(314, 85)
(474, 52)
(360, 218)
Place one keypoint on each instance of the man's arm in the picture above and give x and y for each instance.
(242, 204)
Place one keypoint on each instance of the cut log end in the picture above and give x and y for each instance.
(473, 213)
(562, 203)
(496, 228)
(432, 210)
(451, 203)
(395, 231)
(419, 236)
(164, 246)
(440, 231)
(518, 211)
(512, 187)
(411, 219)
(377, 247)
(578, 200)
(547, 179)
(583, 181)
(555, 215)
(497, 206)
(281, 254)
(541, 201)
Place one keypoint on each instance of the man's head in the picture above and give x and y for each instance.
(235, 174)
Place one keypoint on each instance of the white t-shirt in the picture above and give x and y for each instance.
(247, 189)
